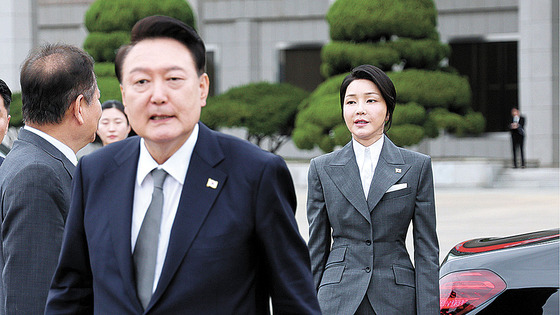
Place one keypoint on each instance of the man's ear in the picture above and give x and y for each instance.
(204, 82)
(123, 99)
(77, 108)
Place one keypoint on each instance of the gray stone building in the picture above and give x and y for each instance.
(508, 48)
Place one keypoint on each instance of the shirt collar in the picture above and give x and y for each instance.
(176, 166)
(68, 153)
(375, 150)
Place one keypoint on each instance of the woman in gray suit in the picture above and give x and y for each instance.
(361, 201)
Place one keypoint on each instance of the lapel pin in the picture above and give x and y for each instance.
(398, 170)
(212, 183)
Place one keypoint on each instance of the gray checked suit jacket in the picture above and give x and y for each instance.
(358, 247)
(35, 187)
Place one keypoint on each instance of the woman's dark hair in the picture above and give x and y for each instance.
(114, 104)
(380, 79)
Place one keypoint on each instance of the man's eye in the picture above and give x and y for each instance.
(143, 81)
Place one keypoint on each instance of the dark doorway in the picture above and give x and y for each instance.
(492, 71)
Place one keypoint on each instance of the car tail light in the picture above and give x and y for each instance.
(463, 291)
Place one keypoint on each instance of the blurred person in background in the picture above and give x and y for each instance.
(113, 125)
(5, 101)
(517, 130)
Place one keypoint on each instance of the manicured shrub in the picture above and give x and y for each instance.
(104, 69)
(410, 113)
(103, 46)
(343, 56)
(109, 88)
(109, 22)
(370, 20)
(15, 110)
(432, 88)
(420, 53)
(475, 123)
(448, 121)
(121, 15)
(266, 110)
(406, 135)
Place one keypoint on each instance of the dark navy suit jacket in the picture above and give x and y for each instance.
(232, 246)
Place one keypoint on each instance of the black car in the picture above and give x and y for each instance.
(508, 275)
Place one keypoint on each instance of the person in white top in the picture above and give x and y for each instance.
(361, 201)
(60, 110)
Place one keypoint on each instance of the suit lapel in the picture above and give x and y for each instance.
(119, 181)
(390, 168)
(202, 186)
(344, 172)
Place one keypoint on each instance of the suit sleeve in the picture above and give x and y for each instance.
(71, 290)
(32, 230)
(319, 226)
(285, 254)
(426, 248)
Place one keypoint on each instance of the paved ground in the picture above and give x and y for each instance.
(468, 213)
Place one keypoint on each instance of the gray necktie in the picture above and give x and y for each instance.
(145, 251)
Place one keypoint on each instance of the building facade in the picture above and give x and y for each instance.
(509, 49)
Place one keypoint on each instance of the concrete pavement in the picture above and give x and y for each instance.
(467, 213)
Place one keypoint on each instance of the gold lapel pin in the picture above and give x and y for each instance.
(212, 183)
(398, 170)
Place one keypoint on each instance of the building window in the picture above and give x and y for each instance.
(492, 71)
(301, 66)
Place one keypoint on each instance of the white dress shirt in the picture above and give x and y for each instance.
(68, 153)
(359, 152)
(176, 167)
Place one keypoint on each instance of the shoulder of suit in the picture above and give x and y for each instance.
(249, 151)
(413, 155)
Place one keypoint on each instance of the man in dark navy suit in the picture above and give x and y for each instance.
(182, 219)
(5, 101)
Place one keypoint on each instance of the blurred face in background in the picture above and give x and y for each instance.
(113, 126)
(4, 120)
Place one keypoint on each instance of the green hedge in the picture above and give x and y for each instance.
(265, 109)
(370, 20)
(339, 57)
(104, 69)
(121, 15)
(316, 122)
(109, 88)
(103, 46)
(15, 110)
(109, 22)
(406, 135)
(342, 57)
(420, 53)
(471, 124)
(432, 89)
(411, 113)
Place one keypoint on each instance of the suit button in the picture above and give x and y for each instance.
(368, 242)
(367, 269)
